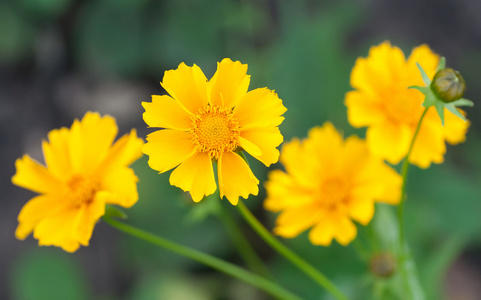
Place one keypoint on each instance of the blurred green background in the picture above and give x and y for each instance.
(60, 58)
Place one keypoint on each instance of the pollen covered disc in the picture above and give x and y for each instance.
(215, 130)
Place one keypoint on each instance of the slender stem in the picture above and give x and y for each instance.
(206, 259)
(404, 173)
(245, 249)
(300, 263)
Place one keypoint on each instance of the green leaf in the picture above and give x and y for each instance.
(463, 102)
(425, 77)
(430, 99)
(113, 212)
(441, 64)
(452, 108)
(439, 105)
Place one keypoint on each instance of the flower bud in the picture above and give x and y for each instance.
(383, 265)
(448, 85)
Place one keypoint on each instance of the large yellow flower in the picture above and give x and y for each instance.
(391, 111)
(328, 183)
(83, 173)
(208, 121)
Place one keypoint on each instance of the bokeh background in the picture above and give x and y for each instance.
(61, 58)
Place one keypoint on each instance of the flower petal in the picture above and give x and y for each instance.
(124, 152)
(259, 108)
(120, 187)
(187, 85)
(266, 140)
(454, 128)
(429, 146)
(291, 222)
(165, 112)
(284, 192)
(235, 178)
(88, 217)
(363, 109)
(33, 176)
(333, 226)
(56, 153)
(361, 209)
(195, 175)
(36, 209)
(57, 230)
(167, 148)
(390, 141)
(428, 60)
(90, 141)
(229, 83)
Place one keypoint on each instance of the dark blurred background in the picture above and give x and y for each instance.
(61, 58)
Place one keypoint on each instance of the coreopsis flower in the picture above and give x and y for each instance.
(391, 111)
(84, 171)
(211, 121)
(328, 183)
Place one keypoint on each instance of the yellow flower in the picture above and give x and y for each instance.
(391, 111)
(208, 121)
(328, 183)
(83, 173)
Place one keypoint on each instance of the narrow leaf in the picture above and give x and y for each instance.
(425, 77)
(441, 64)
(455, 111)
(463, 102)
(440, 109)
(113, 212)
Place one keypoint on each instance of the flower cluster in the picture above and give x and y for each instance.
(84, 171)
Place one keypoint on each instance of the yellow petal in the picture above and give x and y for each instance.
(187, 85)
(120, 187)
(292, 222)
(284, 192)
(165, 112)
(229, 83)
(389, 140)
(259, 108)
(383, 66)
(90, 141)
(454, 128)
(33, 176)
(266, 140)
(429, 146)
(88, 217)
(36, 209)
(361, 209)
(249, 146)
(333, 226)
(57, 230)
(123, 152)
(167, 148)
(195, 175)
(424, 56)
(363, 109)
(56, 153)
(235, 178)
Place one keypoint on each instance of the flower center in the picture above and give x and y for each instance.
(334, 193)
(81, 190)
(214, 130)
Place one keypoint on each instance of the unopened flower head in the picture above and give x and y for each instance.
(328, 183)
(84, 171)
(206, 121)
(382, 102)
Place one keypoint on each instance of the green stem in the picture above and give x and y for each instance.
(206, 259)
(245, 249)
(304, 266)
(404, 174)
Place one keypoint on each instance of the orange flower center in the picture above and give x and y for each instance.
(215, 130)
(334, 194)
(81, 190)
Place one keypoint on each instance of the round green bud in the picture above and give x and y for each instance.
(383, 265)
(448, 85)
